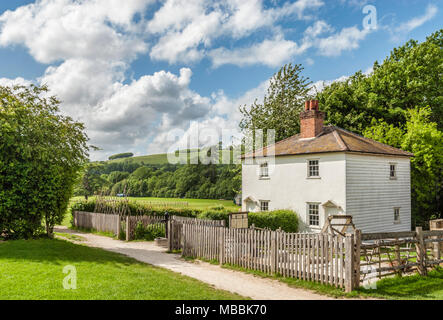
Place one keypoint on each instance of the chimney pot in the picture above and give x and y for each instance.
(307, 105)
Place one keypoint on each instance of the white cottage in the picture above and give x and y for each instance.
(326, 170)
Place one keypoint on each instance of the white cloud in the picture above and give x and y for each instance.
(272, 53)
(4, 82)
(408, 26)
(346, 39)
(185, 29)
(56, 30)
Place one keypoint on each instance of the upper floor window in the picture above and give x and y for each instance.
(264, 205)
(313, 168)
(264, 170)
(313, 214)
(396, 214)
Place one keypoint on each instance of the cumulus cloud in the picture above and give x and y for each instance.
(89, 47)
(272, 53)
(56, 30)
(5, 82)
(185, 29)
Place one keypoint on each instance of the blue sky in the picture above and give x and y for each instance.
(138, 72)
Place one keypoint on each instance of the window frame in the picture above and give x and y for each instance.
(261, 168)
(308, 165)
(308, 213)
(393, 164)
(267, 205)
(397, 219)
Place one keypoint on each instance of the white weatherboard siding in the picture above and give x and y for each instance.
(288, 186)
(371, 195)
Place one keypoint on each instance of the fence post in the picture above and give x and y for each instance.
(170, 234)
(273, 251)
(357, 238)
(222, 244)
(349, 263)
(421, 251)
(128, 228)
(75, 219)
(118, 226)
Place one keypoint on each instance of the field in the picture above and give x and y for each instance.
(33, 269)
(192, 203)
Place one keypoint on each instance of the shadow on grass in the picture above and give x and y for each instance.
(412, 287)
(58, 252)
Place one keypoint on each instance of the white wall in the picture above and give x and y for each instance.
(289, 187)
(371, 195)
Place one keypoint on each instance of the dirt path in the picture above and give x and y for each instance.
(241, 283)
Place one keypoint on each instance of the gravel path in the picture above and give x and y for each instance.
(244, 284)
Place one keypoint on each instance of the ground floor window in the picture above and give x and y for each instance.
(313, 214)
(396, 214)
(264, 205)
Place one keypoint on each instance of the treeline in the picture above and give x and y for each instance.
(160, 180)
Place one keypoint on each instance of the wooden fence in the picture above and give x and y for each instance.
(97, 221)
(114, 223)
(328, 259)
(175, 228)
(386, 254)
(156, 222)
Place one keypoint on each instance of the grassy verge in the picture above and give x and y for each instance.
(33, 269)
(301, 284)
(93, 231)
(414, 287)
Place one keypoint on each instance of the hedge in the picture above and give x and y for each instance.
(136, 208)
(287, 220)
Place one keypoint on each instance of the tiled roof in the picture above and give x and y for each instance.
(331, 139)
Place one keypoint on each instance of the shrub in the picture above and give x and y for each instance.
(285, 219)
(41, 154)
(85, 206)
(148, 233)
(136, 208)
(215, 214)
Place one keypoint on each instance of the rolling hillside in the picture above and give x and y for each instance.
(157, 158)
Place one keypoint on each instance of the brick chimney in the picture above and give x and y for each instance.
(311, 120)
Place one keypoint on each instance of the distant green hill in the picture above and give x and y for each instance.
(150, 159)
(156, 158)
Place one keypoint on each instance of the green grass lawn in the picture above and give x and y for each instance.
(33, 269)
(413, 287)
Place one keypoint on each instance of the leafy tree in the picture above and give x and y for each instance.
(420, 136)
(41, 154)
(410, 77)
(288, 90)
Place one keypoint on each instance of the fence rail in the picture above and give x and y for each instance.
(390, 253)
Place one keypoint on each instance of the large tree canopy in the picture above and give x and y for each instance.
(420, 136)
(410, 77)
(41, 153)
